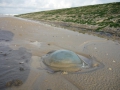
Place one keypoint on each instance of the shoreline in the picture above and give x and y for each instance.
(88, 29)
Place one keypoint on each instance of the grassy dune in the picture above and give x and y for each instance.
(97, 18)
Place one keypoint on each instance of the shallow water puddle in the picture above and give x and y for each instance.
(14, 66)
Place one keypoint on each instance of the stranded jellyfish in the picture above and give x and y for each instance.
(65, 60)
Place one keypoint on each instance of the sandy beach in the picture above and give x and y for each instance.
(24, 42)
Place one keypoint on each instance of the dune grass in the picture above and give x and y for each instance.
(101, 15)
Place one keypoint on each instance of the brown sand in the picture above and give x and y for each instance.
(39, 39)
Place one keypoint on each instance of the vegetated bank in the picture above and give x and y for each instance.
(101, 19)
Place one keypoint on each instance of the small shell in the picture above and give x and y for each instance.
(65, 72)
(110, 68)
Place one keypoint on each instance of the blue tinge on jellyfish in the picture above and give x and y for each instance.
(66, 60)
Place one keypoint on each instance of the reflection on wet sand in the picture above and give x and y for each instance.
(14, 64)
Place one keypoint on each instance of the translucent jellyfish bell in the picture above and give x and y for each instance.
(64, 60)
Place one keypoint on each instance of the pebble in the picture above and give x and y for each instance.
(21, 69)
(48, 44)
(113, 60)
(95, 48)
(110, 68)
(5, 54)
(21, 62)
(95, 65)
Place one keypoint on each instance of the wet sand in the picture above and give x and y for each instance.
(36, 39)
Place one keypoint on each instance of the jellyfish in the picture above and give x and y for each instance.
(66, 60)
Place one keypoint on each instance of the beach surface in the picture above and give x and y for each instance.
(24, 42)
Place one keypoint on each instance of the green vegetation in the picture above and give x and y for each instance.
(101, 16)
